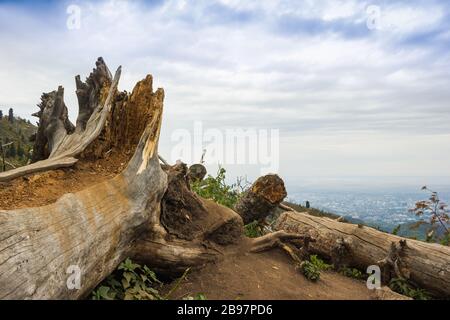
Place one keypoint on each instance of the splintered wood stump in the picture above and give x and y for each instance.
(146, 212)
(425, 264)
(58, 142)
(91, 229)
(261, 199)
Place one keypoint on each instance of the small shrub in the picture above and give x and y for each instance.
(446, 240)
(403, 287)
(253, 230)
(310, 270)
(396, 230)
(216, 189)
(198, 296)
(353, 273)
(319, 263)
(130, 281)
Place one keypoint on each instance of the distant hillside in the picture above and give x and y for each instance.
(420, 229)
(15, 133)
(311, 211)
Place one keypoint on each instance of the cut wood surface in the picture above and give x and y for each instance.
(261, 199)
(425, 264)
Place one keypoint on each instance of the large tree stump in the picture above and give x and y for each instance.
(92, 229)
(425, 264)
(147, 211)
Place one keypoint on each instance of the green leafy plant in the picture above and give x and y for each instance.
(352, 273)
(103, 293)
(396, 230)
(319, 263)
(310, 270)
(446, 240)
(130, 281)
(253, 230)
(215, 188)
(198, 296)
(403, 287)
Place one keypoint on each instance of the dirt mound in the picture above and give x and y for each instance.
(267, 276)
(44, 188)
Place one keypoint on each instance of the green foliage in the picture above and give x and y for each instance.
(20, 151)
(103, 293)
(446, 240)
(403, 287)
(198, 296)
(396, 230)
(253, 230)
(130, 281)
(310, 270)
(319, 263)
(11, 151)
(216, 189)
(353, 273)
(17, 131)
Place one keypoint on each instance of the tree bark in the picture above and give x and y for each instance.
(188, 216)
(425, 264)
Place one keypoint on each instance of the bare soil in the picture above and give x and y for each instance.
(45, 188)
(266, 276)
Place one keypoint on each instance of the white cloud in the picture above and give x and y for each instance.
(406, 19)
(242, 71)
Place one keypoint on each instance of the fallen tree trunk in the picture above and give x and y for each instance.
(425, 264)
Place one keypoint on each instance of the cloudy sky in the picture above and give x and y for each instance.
(359, 90)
